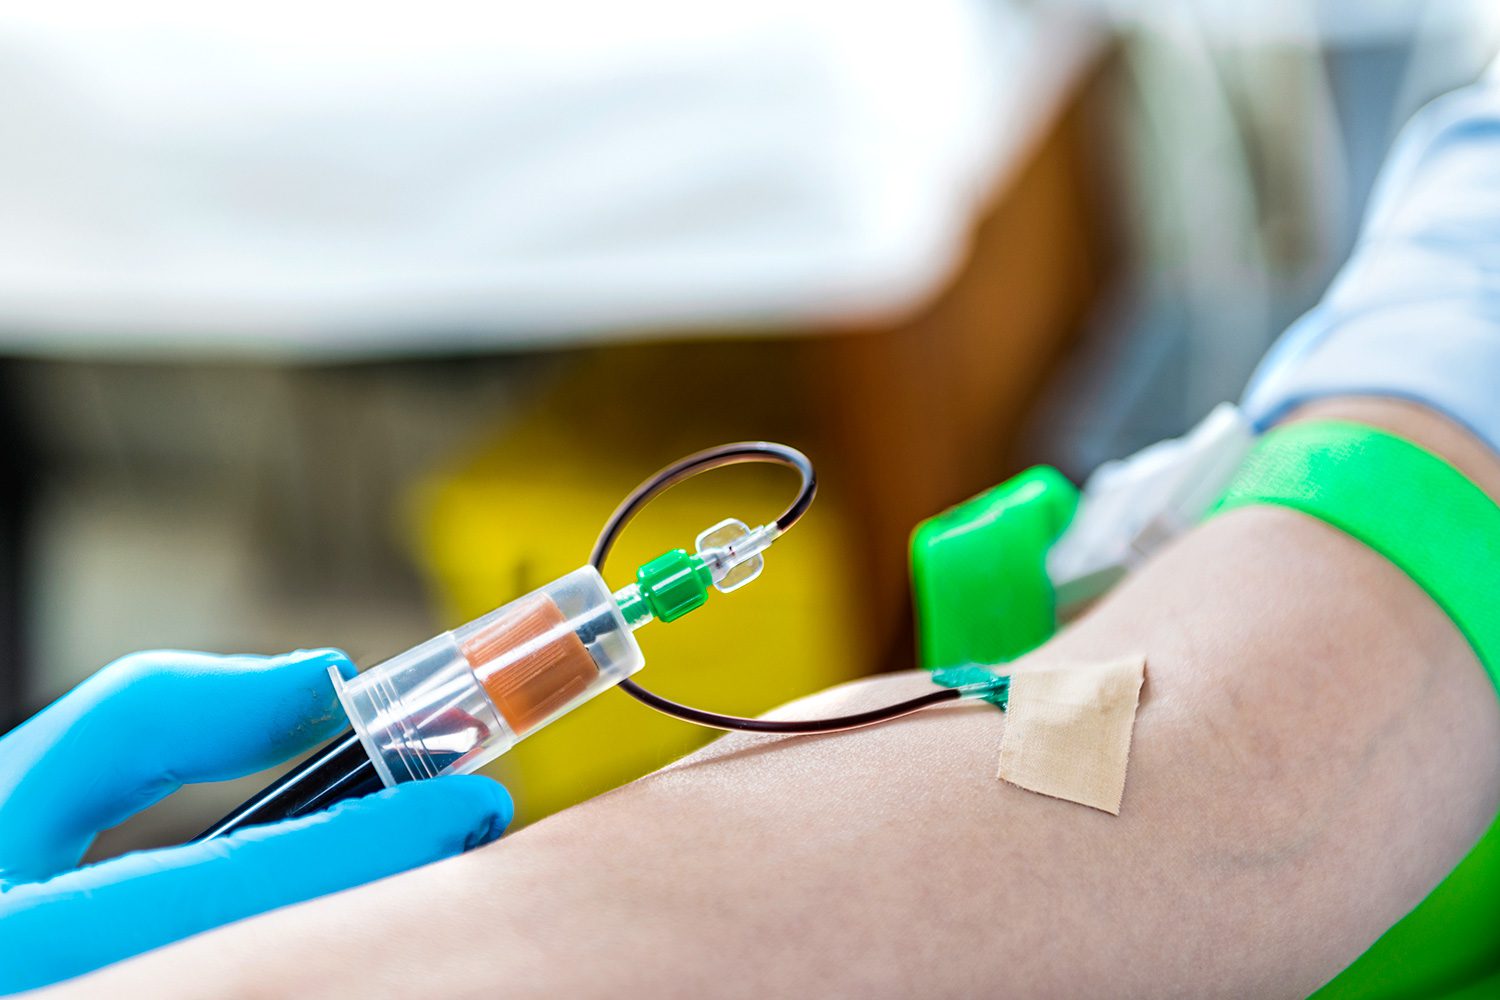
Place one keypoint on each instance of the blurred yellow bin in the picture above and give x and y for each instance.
(526, 511)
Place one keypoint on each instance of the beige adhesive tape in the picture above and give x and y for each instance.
(1067, 730)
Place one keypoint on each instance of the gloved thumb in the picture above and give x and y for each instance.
(84, 919)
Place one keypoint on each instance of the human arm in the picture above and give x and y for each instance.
(1314, 751)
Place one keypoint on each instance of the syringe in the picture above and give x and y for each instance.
(463, 698)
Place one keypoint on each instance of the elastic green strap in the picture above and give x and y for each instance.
(1404, 502)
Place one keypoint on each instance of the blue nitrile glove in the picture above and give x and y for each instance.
(138, 730)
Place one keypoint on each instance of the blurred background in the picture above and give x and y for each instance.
(340, 324)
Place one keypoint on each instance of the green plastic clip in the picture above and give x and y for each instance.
(979, 571)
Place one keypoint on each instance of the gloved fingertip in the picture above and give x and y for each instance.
(478, 808)
(482, 804)
(456, 812)
(499, 810)
(340, 659)
(323, 657)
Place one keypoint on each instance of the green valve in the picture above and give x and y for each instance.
(673, 584)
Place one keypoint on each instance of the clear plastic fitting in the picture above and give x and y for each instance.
(732, 551)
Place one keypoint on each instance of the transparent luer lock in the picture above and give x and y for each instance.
(463, 698)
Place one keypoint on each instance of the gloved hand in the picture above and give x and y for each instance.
(138, 730)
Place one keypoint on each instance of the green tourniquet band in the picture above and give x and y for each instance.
(1440, 529)
(1400, 500)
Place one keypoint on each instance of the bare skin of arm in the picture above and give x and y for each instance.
(1315, 749)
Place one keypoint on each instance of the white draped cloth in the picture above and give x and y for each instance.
(325, 178)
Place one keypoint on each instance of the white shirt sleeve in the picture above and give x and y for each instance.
(1415, 313)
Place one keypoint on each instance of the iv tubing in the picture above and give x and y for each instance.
(685, 469)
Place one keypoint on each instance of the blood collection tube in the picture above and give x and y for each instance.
(465, 697)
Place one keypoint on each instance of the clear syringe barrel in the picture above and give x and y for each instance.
(463, 698)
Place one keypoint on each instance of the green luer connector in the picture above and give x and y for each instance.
(674, 583)
(977, 682)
